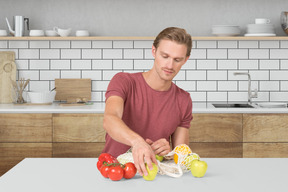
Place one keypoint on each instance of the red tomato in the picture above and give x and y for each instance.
(104, 156)
(99, 165)
(129, 170)
(115, 173)
(104, 171)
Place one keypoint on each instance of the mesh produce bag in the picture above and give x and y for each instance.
(181, 154)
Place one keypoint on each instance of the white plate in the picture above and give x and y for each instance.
(225, 35)
(273, 105)
(259, 34)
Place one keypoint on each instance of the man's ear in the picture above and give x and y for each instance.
(153, 51)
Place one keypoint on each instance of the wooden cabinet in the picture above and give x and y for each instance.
(216, 135)
(265, 135)
(82, 135)
(24, 135)
(78, 135)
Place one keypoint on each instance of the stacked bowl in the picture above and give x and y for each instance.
(262, 27)
(226, 30)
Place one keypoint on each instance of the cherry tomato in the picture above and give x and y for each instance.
(116, 173)
(104, 171)
(129, 170)
(105, 157)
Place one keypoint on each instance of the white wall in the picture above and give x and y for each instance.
(142, 17)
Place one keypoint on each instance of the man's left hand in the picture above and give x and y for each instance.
(160, 147)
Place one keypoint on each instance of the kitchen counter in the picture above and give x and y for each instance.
(81, 174)
(99, 108)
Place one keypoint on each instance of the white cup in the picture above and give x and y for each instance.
(62, 32)
(262, 21)
(36, 33)
(3, 32)
(82, 33)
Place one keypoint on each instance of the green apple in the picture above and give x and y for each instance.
(151, 173)
(159, 158)
(198, 168)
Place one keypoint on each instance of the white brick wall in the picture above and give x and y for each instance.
(208, 75)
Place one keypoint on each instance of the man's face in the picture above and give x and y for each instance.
(169, 58)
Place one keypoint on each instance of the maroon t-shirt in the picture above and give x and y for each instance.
(150, 113)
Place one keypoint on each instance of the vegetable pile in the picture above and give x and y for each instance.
(109, 167)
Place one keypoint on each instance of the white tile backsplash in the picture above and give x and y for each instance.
(3, 44)
(122, 64)
(248, 64)
(279, 75)
(49, 75)
(122, 44)
(28, 53)
(70, 74)
(91, 53)
(216, 53)
(269, 44)
(227, 44)
(207, 75)
(93, 75)
(206, 44)
(279, 54)
(18, 44)
(60, 44)
(49, 53)
(283, 64)
(70, 53)
(39, 44)
(39, 64)
(112, 54)
(248, 44)
(81, 64)
(81, 44)
(237, 53)
(60, 64)
(102, 64)
(133, 54)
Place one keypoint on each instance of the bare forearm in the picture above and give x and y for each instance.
(119, 131)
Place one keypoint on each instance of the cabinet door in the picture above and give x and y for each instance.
(77, 149)
(216, 128)
(217, 150)
(265, 150)
(78, 128)
(265, 127)
(25, 127)
(13, 153)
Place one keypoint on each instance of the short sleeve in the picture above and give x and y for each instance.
(118, 86)
(187, 114)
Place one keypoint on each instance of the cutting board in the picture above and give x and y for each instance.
(72, 88)
(7, 73)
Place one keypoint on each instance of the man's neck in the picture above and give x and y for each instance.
(155, 82)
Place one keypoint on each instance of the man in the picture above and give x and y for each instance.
(144, 110)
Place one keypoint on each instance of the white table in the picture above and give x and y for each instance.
(81, 175)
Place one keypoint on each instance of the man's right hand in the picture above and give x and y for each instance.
(142, 152)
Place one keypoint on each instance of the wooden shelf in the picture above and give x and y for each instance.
(10, 38)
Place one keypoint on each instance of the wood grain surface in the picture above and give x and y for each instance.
(72, 88)
(216, 128)
(217, 150)
(77, 149)
(265, 127)
(78, 128)
(25, 127)
(265, 150)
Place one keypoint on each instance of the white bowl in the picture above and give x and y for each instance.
(225, 30)
(42, 97)
(36, 33)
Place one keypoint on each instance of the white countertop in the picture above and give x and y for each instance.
(81, 174)
(99, 108)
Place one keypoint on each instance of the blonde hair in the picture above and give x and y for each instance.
(175, 34)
